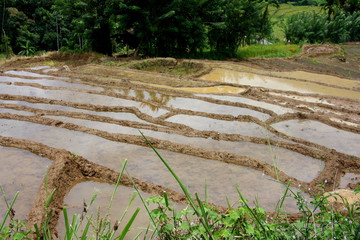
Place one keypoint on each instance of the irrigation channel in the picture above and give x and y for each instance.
(71, 131)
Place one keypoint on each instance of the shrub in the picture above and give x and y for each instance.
(314, 27)
(306, 27)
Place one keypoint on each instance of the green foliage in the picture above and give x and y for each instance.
(280, 13)
(239, 23)
(19, 30)
(316, 28)
(306, 27)
(27, 50)
(178, 28)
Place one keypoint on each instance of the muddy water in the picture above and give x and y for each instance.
(207, 107)
(79, 97)
(51, 83)
(321, 78)
(193, 104)
(143, 164)
(305, 98)
(277, 109)
(349, 178)
(74, 205)
(30, 170)
(216, 89)
(230, 76)
(322, 134)
(230, 127)
(40, 67)
(27, 74)
(115, 115)
(287, 161)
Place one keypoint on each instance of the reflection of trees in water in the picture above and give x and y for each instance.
(150, 97)
(153, 97)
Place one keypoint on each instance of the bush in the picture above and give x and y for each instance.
(306, 27)
(314, 27)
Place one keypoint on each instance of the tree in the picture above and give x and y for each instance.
(241, 21)
(84, 24)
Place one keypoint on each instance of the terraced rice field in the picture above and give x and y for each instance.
(258, 129)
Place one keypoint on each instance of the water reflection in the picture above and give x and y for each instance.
(320, 133)
(251, 79)
(32, 169)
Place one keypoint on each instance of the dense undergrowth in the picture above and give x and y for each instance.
(316, 219)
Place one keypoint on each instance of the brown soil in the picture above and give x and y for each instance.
(68, 169)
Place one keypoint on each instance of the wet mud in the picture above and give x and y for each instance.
(81, 123)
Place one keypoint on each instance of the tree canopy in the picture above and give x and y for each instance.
(154, 28)
(176, 28)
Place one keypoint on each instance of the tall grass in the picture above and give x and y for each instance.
(268, 51)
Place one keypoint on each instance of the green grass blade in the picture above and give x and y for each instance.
(228, 203)
(4, 196)
(128, 206)
(282, 200)
(251, 211)
(8, 211)
(87, 226)
(128, 225)
(37, 231)
(186, 192)
(137, 236)
(142, 200)
(67, 225)
(48, 200)
(203, 215)
(166, 200)
(117, 184)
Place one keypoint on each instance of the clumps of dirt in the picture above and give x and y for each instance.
(77, 59)
(171, 66)
(342, 199)
(321, 49)
(57, 59)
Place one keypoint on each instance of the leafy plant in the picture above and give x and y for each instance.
(27, 49)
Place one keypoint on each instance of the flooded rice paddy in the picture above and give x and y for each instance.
(227, 128)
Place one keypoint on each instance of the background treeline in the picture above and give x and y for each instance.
(339, 22)
(152, 27)
(163, 27)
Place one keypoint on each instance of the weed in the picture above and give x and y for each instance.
(14, 229)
